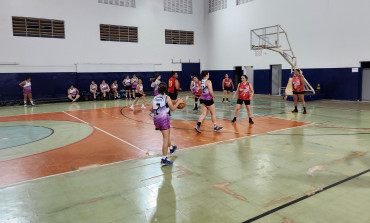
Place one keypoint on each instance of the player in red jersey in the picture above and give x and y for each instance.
(298, 90)
(227, 85)
(245, 94)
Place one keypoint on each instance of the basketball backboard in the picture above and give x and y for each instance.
(266, 37)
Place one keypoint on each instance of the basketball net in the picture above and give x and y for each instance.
(258, 53)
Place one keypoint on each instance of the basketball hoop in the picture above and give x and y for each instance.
(258, 53)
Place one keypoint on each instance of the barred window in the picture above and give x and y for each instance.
(124, 3)
(239, 2)
(215, 5)
(118, 33)
(179, 37)
(36, 27)
(179, 6)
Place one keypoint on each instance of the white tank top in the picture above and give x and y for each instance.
(72, 91)
(140, 87)
(104, 86)
(114, 85)
(93, 86)
(28, 84)
(127, 82)
(160, 106)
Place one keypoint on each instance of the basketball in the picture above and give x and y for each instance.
(181, 105)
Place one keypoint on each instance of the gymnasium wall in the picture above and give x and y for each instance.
(328, 38)
(82, 43)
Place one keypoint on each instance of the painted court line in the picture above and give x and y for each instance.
(106, 132)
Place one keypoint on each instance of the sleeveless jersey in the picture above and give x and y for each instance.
(297, 83)
(171, 85)
(134, 82)
(160, 106)
(127, 82)
(205, 91)
(27, 85)
(104, 87)
(196, 89)
(244, 91)
(227, 82)
(141, 89)
(73, 91)
(114, 86)
(93, 87)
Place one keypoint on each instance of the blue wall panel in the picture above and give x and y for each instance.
(216, 76)
(262, 81)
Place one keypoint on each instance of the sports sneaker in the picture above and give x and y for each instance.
(197, 128)
(165, 162)
(195, 109)
(33, 104)
(234, 120)
(25, 105)
(304, 112)
(132, 107)
(295, 111)
(174, 148)
(217, 128)
(251, 121)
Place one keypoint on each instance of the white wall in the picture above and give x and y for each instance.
(82, 43)
(323, 33)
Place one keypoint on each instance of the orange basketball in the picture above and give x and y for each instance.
(181, 105)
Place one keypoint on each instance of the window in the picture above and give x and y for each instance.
(124, 3)
(179, 37)
(239, 2)
(34, 27)
(215, 5)
(118, 33)
(179, 6)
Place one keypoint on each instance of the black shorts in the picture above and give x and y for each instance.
(295, 92)
(246, 102)
(128, 88)
(227, 88)
(207, 102)
(138, 95)
(173, 96)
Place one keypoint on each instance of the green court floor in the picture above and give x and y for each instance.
(231, 181)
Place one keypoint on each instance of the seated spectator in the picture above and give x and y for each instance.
(93, 89)
(104, 87)
(73, 93)
(114, 88)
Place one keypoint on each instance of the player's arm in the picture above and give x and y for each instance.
(223, 84)
(22, 83)
(177, 85)
(191, 85)
(232, 84)
(77, 91)
(236, 92)
(171, 106)
(151, 107)
(303, 82)
(252, 91)
(210, 88)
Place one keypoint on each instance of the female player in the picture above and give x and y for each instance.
(161, 105)
(155, 83)
(27, 92)
(245, 94)
(104, 88)
(134, 85)
(114, 88)
(139, 94)
(298, 90)
(73, 93)
(207, 103)
(196, 90)
(93, 89)
(127, 84)
(227, 85)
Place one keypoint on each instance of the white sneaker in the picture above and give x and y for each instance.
(143, 107)
(25, 105)
(132, 107)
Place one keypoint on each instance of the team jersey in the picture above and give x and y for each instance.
(196, 89)
(27, 85)
(127, 82)
(244, 90)
(297, 83)
(205, 91)
(93, 87)
(227, 82)
(104, 87)
(172, 85)
(73, 91)
(160, 106)
(134, 82)
(114, 86)
(140, 89)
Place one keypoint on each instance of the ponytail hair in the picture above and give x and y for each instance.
(162, 88)
(204, 73)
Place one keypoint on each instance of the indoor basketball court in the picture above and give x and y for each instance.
(75, 149)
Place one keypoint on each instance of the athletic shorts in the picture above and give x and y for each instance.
(133, 86)
(27, 91)
(227, 88)
(296, 92)
(246, 102)
(138, 95)
(173, 96)
(127, 88)
(162, 122)
(207, 102)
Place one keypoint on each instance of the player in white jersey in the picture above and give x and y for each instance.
(73, 93)
(139, 94)
(161, 106)
(27, 92)
(114, 88)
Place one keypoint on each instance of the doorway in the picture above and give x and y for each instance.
(238, 72)
(275, 71)
(248, 70)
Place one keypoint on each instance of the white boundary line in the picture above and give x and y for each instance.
(107, 133)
